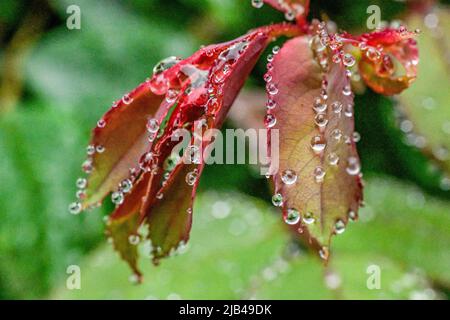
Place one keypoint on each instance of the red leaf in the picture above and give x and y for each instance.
(138, 138)
(317, 181)
(389, 60)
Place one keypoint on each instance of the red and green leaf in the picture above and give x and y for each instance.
(389, 59)
(318, 175)
(138, 139)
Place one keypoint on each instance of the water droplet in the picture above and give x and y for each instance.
(324, 253)
(349, 60)
(134, 239)
(292, 216)
(152, 126)
(257, 3)
(356, 136)
(87, 166)
(333, 159)
(353, 166)
(165, 64)
(100, 148)
(373, 54)
(90, 149)
(270, 120)
(319, 106)
(272, 89)
(339, 227)
(289, 15)
(81, 183)
(101, 123)
(289, 177)
(171, 95)
(117, 197)
(352, 215)
(308, 218)
(271, 104)
(347, 90)
(318, 143)
(319, 174)
(81, 194)
(277, 200)
(336, 58)
(336, 134)
(348, 111)
(75, 208)
(127, 99)
(126, 185)
(276, 49)
(267, 77)
(191, 177)
(321, 120)
(336, 107)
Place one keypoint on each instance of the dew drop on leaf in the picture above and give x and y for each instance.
(134, 239)
(353, 166)
(165, 64)
(270, 120)
(318, 143)
(81, 183)
(75, 208)
(117, 197)
(277, 200)
(309, 218)
(339, 227)
(292, 216)
(289, 177)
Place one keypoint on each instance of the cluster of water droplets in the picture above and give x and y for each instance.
(292, 10)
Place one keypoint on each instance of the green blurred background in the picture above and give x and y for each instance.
(54, 85)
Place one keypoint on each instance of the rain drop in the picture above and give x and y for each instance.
(353, 166)
(277, 200)
(289, 177)
(336, 107)
(117, 197)
(90, 149)
(257, 3)
(165, 64)
(152, 126)
(333, 159)
(309, 218)
(81, 183)
(101, 123)
(127, 99)
(319, 174)
(339, 227)
(292, 216)
(191, 178)
(75, 208)
(321, 120)
(318, 143)
(270, 120)
(134, 239)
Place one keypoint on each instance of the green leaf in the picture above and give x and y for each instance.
(38, 237)
(403, 224)
(426, 102)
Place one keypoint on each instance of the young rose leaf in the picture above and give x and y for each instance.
(317, 182)
(151, 190)
(389, 60)
(118, 141)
